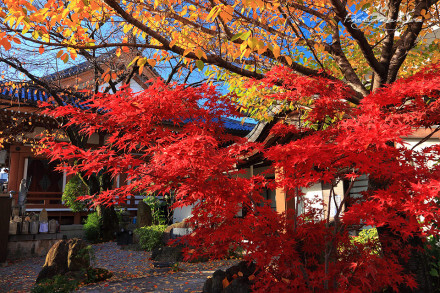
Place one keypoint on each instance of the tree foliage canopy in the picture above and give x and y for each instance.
(365, 43)
(351, 86)
(294, 252)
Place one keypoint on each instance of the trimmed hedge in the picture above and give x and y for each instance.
(92, 227)
(75, 188)
(150, 237)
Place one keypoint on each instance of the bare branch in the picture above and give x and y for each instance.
(359, 36)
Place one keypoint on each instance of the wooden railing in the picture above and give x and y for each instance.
(133, 201)
(53, 200)
(44, 199)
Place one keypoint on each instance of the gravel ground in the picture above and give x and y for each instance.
(132, 272)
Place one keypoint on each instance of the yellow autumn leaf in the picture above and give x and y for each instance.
(141, 69)
(152, 62)
(276, 51)
(187, 51)
(199, 53)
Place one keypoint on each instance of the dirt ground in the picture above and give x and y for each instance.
(133, 271)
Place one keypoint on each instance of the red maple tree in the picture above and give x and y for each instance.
(165, 141)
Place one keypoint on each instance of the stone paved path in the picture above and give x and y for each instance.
(133, 272)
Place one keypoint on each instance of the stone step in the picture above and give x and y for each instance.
(72, 231)
(71, 227)
(29, 237)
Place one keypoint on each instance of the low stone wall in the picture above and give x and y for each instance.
(72, 231)
(22, 246)
(31, 245)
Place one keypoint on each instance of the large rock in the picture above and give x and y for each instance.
(237, 279)
(238, 285)
(78, 257)
(64, 256)
(167, 231)
(207, 287)
(56, 261)
(217, 281)
(144, 215)
(247, 268)
(171, 254)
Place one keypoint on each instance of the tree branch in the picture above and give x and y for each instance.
(359, 36)
(211, 59)
(408, 40)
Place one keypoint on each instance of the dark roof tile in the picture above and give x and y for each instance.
(31, 95)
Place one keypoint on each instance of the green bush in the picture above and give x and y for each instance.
(156, 206)
(150, 237)
(92, 227)
(58, 284)
(432, 250)
(367, 234)
(75, 188)
(71, 282)
(369, 238)
(95, 275)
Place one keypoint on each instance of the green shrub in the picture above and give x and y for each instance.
(92, 227)
(150, 237)
(58, 284)
(432, 250)
(94, 275)
(156, 206)
(75, 188)
(367, 234)
(369, 238)
(119, 213)
(71, 282)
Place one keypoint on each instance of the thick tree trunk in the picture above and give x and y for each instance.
(109, 218)
(109, 222)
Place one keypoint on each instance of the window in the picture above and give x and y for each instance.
(43, 176)
(269, 194)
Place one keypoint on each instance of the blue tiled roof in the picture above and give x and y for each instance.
(237, 125)
(31, 95)
(23, 94)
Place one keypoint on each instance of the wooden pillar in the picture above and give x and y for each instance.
(18, 155)
(13, 181)
(280, 200)
(282, 204)
(285, 201)
(77, 218)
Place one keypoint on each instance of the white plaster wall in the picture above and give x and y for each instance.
(313, 192)
(182, 213)
(411, 142)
